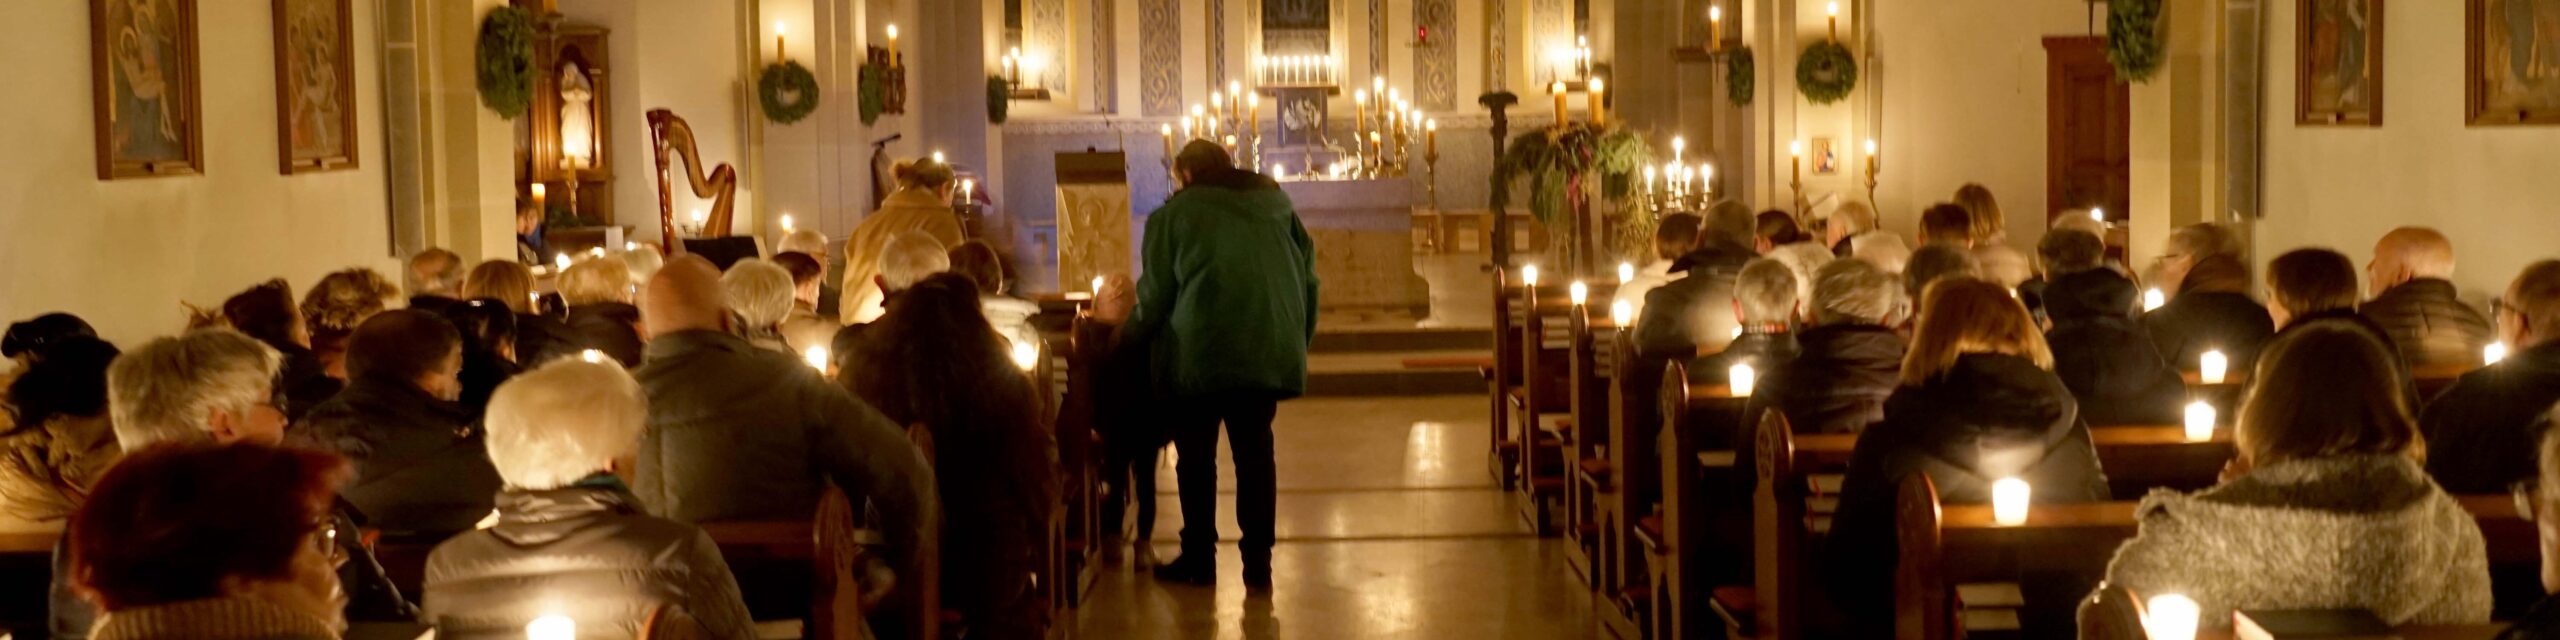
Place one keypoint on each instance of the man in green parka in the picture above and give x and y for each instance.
(1226, 308)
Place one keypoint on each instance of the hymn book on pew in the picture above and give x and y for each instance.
(2308, 624)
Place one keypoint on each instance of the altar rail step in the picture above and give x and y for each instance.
(1406, 339)
(1396, 373)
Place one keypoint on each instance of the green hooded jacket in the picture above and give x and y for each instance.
(1228, 299)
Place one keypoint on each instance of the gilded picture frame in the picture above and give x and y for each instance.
(144, 88)
(315, 86)
(2511, 62)
(2338, 63)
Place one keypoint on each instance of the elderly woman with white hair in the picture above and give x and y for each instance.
(570, 539)
(760, 294)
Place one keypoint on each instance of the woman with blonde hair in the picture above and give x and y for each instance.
(1978, 402)
(2326, 506)
(922, 203)
(601, 316)
(338, 303)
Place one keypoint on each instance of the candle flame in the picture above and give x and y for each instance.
(1529, 274)
(893, 32)
(591, 356)
(1627, 270)
(1578, 292)
(2493, 353)
(551, 627)
(816, 357)
(2200, 419)
(2211, 367)
(2009, 501)
(2170, 616)
(1026, 355)
(1741, 379)
(778, 28)
(1622, 312)
(2153, 298)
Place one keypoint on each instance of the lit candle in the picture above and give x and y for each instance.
(1167, 130)
(1599, 106)
(597, 252)
(2170, 617)
(1557, 88)
(562, 260)
(1253, 114)
(1026, 355)
(1648, 181)
(551, 627)
(786, 224)
(540, 192)
(591, 356)
(1578, 292)
(2152, 299)
(1529, 275)
(1795, 161)
(2211, 366)
(968, 190)
(816, 357)
(1626, 272)
(1431, 137)
(1280, 171)
(2200, 417)
(1678, 146)
(1834, 10)
(630, 246)
(893, 45)
(1621, 313)
(1715, 28)
(2493, 353)
(778, 30)
(1359, 114)
(1741, 378)
(2009, 501)
(2098, 214)
(937, 158)
(1871, 158)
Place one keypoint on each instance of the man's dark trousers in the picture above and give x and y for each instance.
(1247, 417)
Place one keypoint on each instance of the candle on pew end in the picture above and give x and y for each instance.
(1627, 270)
(2493, 353)
(1529, 275)
(2170, 617)
(1097, 286)
(1742, 379)
(1622, 313)
(2211, 366)
(2153, 298)
(1578, 292)
(551, 627)
(816, 357)
(1025, 355)
(2009, 501)
(592, 356)
(2200, 419)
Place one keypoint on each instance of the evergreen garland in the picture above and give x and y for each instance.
(2133, 38)
(504, 59)
(1600, 163)
(783, 79)
(1738, 76)
(1826, 72)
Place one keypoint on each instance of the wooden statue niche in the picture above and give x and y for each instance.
(669, 134)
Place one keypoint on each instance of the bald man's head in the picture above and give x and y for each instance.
(2409, 253)
(685, 295)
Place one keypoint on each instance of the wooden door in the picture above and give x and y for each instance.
(2088, 118)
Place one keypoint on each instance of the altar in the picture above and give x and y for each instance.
(1363, 231)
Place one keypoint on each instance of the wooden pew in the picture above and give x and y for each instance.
(1944, 546)
(829, 546)
(1688, 546)
(1590, 365)
(1543, 445)
(2137, 458)
(1629, 457)
(2430, 380)
(1502, 378)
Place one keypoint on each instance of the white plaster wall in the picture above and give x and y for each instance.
(123, 254)
(1964, 101)
(2489, 188)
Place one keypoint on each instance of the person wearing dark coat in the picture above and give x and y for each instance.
(2211, 311)
(1846, 363)
(2416, 304)
(267, 312)
(421, 470)
(2480, 431)
(1978, 402)
(488, 330)
(2315, 285)
(2542, 621)
(2112, 369)
(1764, 299)
(1695, 312)
(601, 316)
(570, 539)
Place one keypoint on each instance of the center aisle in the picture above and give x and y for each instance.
(1388, 528)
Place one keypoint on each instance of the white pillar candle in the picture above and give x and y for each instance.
(1578, 292)
(1622, 313)
(551, 627)
(2170, 617)
(2212, 365)
(2200, 418)
(2491, 354)
(2153, 298)
(1626, 272)
(1741, 378)
(2009, 501)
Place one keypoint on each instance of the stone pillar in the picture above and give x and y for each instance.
(947, 85)
(2176, 133)
(462, 183)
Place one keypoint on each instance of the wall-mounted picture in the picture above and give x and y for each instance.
(143, 84)
(1825, 156)
(315, 85)
(2338, 63)
(2513, 67)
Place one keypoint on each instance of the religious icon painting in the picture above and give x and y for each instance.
(143, 84)
(315, 86)
(2338, 63)
(1826, 156)
(2512, 61)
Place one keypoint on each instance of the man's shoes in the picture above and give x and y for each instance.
(1190, 569)
(1257, 578)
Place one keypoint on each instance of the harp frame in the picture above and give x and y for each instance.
(670, 135)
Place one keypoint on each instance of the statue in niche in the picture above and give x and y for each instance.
(577, 115)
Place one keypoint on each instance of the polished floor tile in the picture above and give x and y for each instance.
(1389, 527)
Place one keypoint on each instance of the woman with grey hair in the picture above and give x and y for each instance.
(759, 294)
(570, 539)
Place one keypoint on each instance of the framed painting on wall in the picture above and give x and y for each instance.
(2511, 67)
(315, 86)
(143, 87)
(2338, 63)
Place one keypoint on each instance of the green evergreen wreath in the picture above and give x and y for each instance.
(1738, 70)
(789, 92)
(505, 61)
(873, 91)
(1826, 72)
(2133, 38)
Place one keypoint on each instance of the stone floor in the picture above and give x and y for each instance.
(1389, 527)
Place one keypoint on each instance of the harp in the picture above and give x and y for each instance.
(668, 134)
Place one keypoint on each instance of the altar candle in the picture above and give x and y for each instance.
(1795, 162)
(1715, 29)
(1834, 10)
(2009, 501)
(786, 224)
(1167, 130)
(2152, 299)
(1871, 157)
(1217, 106)
(1359, 114)
(778, 30)
(1253, 114)
(1741, 379)
(2170, 617)
(1430, 137)
(1678, 146)
(1557, 88)
(2211, 366)
(2199, 421)
(1648, 181)
(1599, 106)
(1626, 272)
(893, 45)
(1186, 135)
(540, 192)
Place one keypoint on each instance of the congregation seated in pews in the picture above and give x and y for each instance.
(2345, 447)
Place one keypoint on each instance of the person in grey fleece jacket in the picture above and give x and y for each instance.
(2326, 506)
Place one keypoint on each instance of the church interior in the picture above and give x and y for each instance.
(1481, 451)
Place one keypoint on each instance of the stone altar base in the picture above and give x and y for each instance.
(1363, 231)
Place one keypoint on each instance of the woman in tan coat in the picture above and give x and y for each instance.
(922, 203)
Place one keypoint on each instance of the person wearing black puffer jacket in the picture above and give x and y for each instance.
(1978, 403)
(1846, 364)
(1695, 311)
(2100, 353)
(421, 470)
